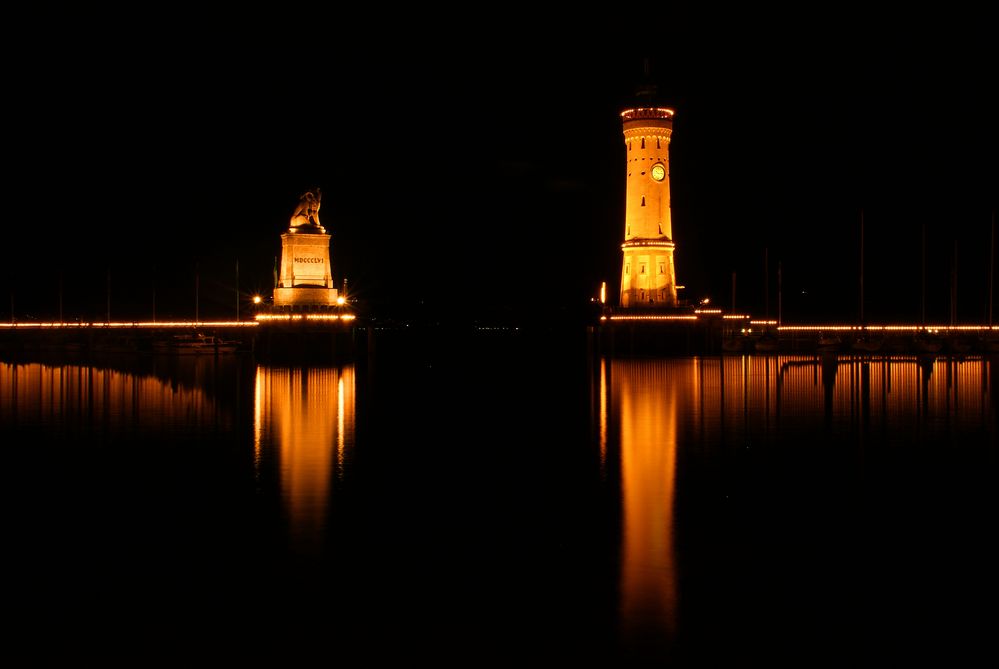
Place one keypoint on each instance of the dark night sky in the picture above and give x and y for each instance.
(480, 167)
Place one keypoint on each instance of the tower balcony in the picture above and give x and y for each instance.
(639, 113)
(661, 242)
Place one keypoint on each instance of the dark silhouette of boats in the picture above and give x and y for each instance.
(768, 343)
(737, 344)
(865, 344)
(829, 343)
(195, 344)
(927, 343)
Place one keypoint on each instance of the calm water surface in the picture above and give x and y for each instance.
(505, 505)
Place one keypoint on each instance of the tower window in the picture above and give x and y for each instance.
(643, 142)
(662, 268)
(643, 200)
(629, 146)
(627, 269)
(657, 143)
(660, 232)
(642, 270)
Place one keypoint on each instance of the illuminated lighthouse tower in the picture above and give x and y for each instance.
(647, 276)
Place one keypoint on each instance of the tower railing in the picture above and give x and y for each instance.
(646, 112)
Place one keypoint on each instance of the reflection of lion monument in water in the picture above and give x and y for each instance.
(307, 211)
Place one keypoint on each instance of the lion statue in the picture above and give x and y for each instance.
(307, 212)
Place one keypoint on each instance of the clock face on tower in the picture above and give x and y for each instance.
(658, 172)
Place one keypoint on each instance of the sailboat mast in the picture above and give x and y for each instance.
(779, 295)
(733, 292)
(922, 317)
(992, 263)
(766, 284)
(953, 289)
(861, 266)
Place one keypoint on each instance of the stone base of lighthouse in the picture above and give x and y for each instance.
(306, 279)
(647, 275)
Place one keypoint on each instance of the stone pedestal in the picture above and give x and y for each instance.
(306, 278)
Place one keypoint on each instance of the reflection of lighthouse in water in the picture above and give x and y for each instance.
(646, 403)
(308, 416)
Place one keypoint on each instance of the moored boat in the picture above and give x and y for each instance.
(829, 343)
(737, 344)
(866, 344)
(767, 344)
(195, 344)
(927, 344)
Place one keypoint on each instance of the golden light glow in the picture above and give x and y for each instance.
(308, 416)
(891, 393)
(258, 424)
(305, 317)
(932, 329)
(341, 300)
(647, 112)
(603, 292)
(603, 415)
(341, 429)
(663, 406)
(646, 242)
(70, 396)
(645, 401)
(653, 318)
(130, 324)
(257, 299)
